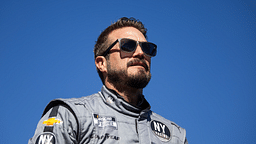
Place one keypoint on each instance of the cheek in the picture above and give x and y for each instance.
(125, 55)
(119, 64)
(115, 60)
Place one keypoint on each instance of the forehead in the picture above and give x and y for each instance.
(127, 32)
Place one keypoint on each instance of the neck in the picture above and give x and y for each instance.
(130, 95)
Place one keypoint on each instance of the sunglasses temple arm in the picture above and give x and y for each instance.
(108, 49)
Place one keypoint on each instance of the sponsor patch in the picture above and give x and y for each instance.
(51, 121)
(161, 130)
(104, 121)
(46, 138)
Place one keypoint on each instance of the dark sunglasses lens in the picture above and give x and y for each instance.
(149, 48)
(128, 45)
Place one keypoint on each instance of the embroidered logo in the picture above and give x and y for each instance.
(52, 121)
(161, 130)
(46, 138)
(104, 121)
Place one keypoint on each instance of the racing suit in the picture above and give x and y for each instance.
(104, 117)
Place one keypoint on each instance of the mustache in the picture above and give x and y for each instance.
(135, 61)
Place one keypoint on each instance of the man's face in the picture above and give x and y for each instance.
(129, 69)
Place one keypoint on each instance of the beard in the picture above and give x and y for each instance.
(121, 77)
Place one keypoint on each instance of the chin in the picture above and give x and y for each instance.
(139, 80)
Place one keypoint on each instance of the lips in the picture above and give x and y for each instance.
(138, 62)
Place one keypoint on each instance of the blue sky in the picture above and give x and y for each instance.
(203, 77)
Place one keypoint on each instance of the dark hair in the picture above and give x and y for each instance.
(102, 42)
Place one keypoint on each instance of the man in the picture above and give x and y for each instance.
(119, 113)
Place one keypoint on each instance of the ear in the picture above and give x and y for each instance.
(101, 63)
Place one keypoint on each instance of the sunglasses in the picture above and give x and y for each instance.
(129, 46)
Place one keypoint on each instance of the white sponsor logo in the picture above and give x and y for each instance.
(105, 121)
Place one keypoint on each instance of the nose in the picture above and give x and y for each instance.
(138, 51)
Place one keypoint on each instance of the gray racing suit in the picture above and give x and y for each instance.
(104, 117)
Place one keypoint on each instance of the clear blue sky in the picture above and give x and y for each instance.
(203, 78)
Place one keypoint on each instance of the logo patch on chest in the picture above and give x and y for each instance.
(161, 130)
(104, 121)
(46, 138)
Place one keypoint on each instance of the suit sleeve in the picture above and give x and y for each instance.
(57, 126)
